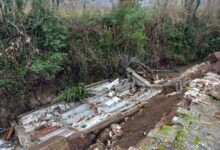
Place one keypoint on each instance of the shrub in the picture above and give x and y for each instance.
(10, 86)
(48, 68)
(128, 30)
(47, 27)
(73, 93)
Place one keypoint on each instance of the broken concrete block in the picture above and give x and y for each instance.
(180, 121)
(23, 137)
(116, 128)
(139, 80)
(104, 135)
(215, 91)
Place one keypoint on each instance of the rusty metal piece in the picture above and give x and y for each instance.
(45, 131)
(8, 133)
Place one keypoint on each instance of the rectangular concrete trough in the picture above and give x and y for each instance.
(66, 119)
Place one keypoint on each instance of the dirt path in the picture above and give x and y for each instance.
(137, 127)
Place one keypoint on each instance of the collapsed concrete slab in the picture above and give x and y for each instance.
(110, 102)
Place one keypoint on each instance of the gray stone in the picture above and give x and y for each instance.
(180, 121)
(104, 135)
(97, 146)
(215, 91)
(132, 148)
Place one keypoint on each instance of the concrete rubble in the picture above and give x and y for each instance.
(75, 125)
(6, 145)
(195, 124)
(106, 102)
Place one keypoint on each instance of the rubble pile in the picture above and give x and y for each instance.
(6, 145)
(66, 119)
(109, 135)
(196, 122)
(93, 120)
(210, 83)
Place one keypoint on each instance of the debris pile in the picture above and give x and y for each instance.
(108, 101)
(6, 145)
(210, 83)
(109, 134)
(196, 122)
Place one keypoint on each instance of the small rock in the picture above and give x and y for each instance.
(132, 148)
(111, 94)
(116, 128)
(97, 146)
(105, 135)
(122, 124)
(110, 134)
(215, 91)
(114, 138)
(67, 106)
(114, 143)
(109, 143)
(140, 112)
(137, 103)
(119, 134)
(126, 119)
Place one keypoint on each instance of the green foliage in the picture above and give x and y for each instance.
(196, 140)
(55, 33)
(58, 58)
(106, 38)
(133, 29)
(73, 93)
(10, 86)
(161, 147)
(20, 6)
(45, 69)
(129, 25)
(165, 129)
(48, 68)
(48, 28)
(40, 45)
(189, 88)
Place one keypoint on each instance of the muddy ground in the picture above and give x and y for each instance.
(137, 127)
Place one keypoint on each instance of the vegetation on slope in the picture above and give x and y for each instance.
(41, 46)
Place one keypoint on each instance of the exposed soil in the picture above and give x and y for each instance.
(136, 127)
(159, 110)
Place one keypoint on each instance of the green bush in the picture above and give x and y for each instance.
(55, 34)
(42, 45)
(10, 86)
(47, 27)
(48, 68)
(73, 93)
(13, 82)
(128, 22)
